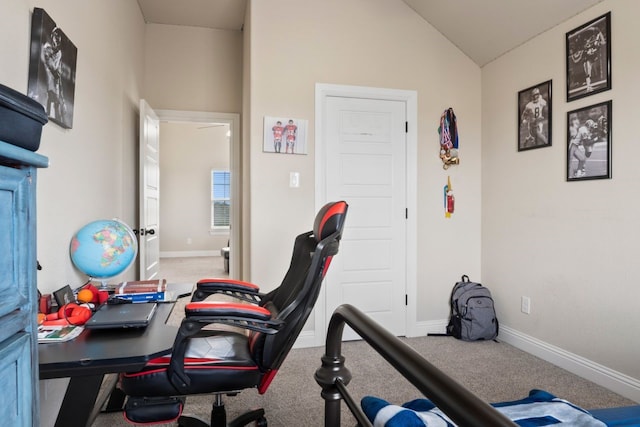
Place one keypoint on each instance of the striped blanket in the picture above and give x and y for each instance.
(540, 408)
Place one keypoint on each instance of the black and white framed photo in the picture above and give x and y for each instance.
(52, 69)
(589, 58)
(534, 117)
(589, 142)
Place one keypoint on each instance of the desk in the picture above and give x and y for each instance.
(87, 358)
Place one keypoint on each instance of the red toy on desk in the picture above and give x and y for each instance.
(91, 294)
(69, 314)
(72, 313)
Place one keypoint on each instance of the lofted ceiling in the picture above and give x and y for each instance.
(482, 29)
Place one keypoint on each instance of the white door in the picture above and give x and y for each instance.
(148, 242)
(365, 148)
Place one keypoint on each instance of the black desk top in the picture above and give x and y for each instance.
(100, 351)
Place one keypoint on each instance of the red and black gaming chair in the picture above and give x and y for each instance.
(223, 362)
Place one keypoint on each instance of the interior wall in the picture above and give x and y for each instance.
(245, 237)
(374, 43)
(93, 166)
(188, 154)
(569, 246)
(193, 69)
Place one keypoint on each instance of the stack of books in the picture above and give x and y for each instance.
(144, 291)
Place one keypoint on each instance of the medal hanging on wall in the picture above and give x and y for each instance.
(448, 132)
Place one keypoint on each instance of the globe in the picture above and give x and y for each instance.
(103, 248)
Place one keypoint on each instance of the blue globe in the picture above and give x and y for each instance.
(103, 248)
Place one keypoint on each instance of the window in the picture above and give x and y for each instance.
(220, 199)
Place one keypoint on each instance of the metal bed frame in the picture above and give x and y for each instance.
(460, 404)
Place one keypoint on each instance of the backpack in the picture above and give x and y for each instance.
(473, 316)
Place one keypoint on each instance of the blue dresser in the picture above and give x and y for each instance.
(18, 286)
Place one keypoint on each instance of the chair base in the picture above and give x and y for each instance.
(219, 417)
(256, 416)
(192, 421)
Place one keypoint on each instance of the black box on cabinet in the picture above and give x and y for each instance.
(21, 119)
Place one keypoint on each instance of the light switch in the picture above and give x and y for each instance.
(294, 179)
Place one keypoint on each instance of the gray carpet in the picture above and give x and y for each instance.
(493, 371)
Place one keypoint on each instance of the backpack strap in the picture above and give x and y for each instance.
(465, 278)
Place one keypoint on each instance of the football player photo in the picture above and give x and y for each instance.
(534, 117)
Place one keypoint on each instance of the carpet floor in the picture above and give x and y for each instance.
(492, 370)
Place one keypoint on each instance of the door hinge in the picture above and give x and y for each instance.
(406, 213)
(406, 299)
(406, 127)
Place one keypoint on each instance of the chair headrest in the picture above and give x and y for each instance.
(330, 218)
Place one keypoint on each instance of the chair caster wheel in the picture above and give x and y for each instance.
(262, 422)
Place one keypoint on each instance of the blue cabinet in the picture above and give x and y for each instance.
(18, 287)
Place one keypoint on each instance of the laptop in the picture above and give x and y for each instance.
(114, 316)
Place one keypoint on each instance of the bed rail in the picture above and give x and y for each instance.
(462, 406)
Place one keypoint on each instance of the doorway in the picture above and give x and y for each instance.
(366, 144)
(231, 124)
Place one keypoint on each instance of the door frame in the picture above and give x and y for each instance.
(233, 120)
(410, 98)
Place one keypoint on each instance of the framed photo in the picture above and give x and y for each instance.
(589, 58)
(589, 142)
(52, 69)
(285, 135)
(534, 117)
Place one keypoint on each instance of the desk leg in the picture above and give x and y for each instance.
(116, 400)
(79, 401)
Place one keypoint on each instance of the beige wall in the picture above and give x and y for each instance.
(188, 153)
(375, 43)
(93, 170)
(577, 263)
(247, 73)
(193, 69)
(197, 70)
(570, 246)
(93, 166)
(190, 69)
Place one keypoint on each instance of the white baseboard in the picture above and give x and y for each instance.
(421, 329)
(187, 254)
(613, 380)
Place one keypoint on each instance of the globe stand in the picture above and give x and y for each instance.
(104, 286)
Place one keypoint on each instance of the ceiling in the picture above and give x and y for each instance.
(482, 29)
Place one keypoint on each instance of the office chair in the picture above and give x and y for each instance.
(225, 362)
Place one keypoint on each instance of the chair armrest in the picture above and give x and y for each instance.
(246, 316)
(221, 309)
(234, 288)
(200, 314)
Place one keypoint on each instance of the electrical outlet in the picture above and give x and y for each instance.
(525, 305)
